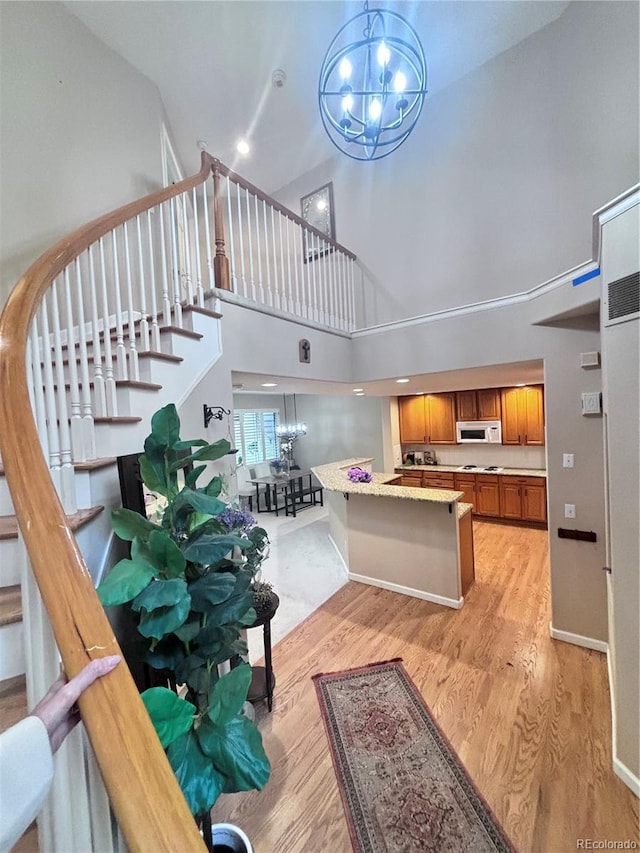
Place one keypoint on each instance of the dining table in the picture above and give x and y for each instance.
(288, 485)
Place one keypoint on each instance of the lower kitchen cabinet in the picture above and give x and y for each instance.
(488, 495)
(438, 480)
(411, 478)
(524, 498)
(466, 483)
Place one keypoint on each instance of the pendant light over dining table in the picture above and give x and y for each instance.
(372, 84)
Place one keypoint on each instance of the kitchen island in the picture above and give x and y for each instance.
(415, 541)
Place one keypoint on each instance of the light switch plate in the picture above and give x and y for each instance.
(569, 510)
(567, 460)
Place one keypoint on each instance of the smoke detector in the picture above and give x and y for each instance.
(278, 78)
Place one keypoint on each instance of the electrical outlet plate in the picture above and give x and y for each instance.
(569, 510)
(567, 460)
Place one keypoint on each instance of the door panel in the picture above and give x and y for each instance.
(412, 419)
(442, 419)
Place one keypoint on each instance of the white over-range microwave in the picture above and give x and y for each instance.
(479, 432)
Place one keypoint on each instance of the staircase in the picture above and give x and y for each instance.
(106, 327)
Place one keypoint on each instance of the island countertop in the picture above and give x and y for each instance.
(333, 478)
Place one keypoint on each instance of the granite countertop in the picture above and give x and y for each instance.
(506, 472)
(333, 478)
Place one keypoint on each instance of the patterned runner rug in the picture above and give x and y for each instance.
(403, 787)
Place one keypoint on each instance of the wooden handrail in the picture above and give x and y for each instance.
(238, 179)
(145, 795)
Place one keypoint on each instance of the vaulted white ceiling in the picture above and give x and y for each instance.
(213, 61)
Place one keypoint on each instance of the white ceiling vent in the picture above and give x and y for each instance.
(623, 299)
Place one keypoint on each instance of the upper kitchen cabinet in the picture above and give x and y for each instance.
(428, 419)
(523, 415)
(480, 405)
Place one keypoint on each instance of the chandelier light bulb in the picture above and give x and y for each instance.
(384, 55)
(375, 109)
(400, 82)
(345, 69)
(347, 103)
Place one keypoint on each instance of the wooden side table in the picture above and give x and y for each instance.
(263, 679)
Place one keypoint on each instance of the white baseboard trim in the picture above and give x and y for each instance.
(578, 640)
(456, 604)
(625, 775)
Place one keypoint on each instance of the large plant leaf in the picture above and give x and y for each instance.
(197, 519)
(171, 716)
(129, 524)
(206, 454)
(161, 593)
(166, 554)
(124, 582)
(211, 589)
(193, 475)
(163, 620)
(237, 752)
(188, 443)
(165, 426)
(200, 782)
(188, 665)
(190, 630)
(152, 474)
(169, 653)
(238, 608)
(197, 501)
(228, 694)
(209, 548)
(214, 486)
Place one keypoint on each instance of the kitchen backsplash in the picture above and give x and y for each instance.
(506, 456)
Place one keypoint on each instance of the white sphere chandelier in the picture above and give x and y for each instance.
(373, 83)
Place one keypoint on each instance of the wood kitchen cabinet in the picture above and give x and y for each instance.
(466, 483)
(411, 478)
(480, 405)
(438, 480)
(523, 415)
(524, 498)
(488, 495)
(428, 419)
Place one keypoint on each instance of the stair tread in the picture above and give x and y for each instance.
(95, 464)
(13, 701)
(10, 605)
(117, 419)
(207, 312)
(162, 356)
(135, 384)
(9, 523)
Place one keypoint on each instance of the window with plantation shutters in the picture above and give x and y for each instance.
(255, 435)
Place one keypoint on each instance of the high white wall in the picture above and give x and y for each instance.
(491, 193)
(79, 132)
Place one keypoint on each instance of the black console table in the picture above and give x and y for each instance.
(263, 680)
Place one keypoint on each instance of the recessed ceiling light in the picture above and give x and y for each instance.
(521, 385)
(400, 381)
(357, 390)
(269, 385)
(243, 147)
(419, 393)
(359, 393)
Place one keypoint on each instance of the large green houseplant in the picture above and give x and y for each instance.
(188, 584)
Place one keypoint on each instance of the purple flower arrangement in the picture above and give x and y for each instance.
(359, 475)
(237, 519)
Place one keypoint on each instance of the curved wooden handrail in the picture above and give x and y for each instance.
(141, 785)
(238, 179)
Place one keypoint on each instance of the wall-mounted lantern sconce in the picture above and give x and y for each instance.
(211, 412)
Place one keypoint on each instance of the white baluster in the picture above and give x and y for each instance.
(266, 253)
(109, 379)
(65, 436)
(187, 249)
(287, 227)
(50, 398)
(88, 432)
(276, 273)
(296, 229)
(96, 348)
(259, 253)
(121, 352)
(322, 284)
(144, 320)
(155, 328)
(314, 263)
(234, 273)
(207, 231)
(166, 297)
(77, 442)
(352, 295)
(134, 371)
(177, 295)
(252, 282)
(344, 292)
(38, 388)
(196, 249)
(243, 276)
(283, 280)
(306, 272)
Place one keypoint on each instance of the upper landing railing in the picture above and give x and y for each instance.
(74, 325)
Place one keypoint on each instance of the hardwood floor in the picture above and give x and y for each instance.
(528, 716)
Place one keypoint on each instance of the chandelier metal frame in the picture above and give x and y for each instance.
(372, 87)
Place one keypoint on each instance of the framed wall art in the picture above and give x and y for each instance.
(317, 210)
